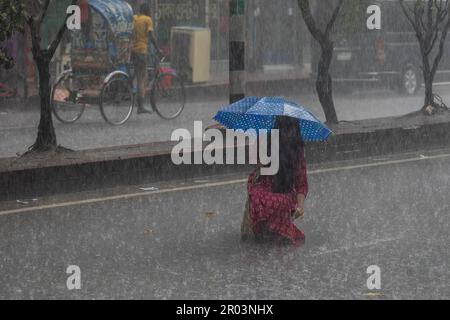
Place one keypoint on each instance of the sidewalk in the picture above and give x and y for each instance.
(218, 83)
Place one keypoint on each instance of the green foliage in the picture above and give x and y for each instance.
(353, 17)
(11, 21)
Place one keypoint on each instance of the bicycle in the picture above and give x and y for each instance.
(6, 91)
(165, 93)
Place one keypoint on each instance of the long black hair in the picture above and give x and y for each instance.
(291, 145)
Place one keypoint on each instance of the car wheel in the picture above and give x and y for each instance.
(410, 81)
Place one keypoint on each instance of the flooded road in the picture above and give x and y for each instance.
(181, 240)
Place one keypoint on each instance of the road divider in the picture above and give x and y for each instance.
(146, 164)
(205, 184)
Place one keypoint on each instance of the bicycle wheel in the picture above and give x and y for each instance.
(168, 96)
(65, 99)
(117, 99)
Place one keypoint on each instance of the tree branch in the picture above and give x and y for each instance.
(42, 11)
(408, 15)
(444, 34)
(321, 36)
(55, 43)
(330, 24)
(305, 8)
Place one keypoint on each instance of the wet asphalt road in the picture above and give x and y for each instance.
(18, 128)
(182, 242)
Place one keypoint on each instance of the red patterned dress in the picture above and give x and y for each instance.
(271, 214)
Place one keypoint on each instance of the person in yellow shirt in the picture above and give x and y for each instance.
(142, 33)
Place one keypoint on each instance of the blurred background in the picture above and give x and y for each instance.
(375, 73)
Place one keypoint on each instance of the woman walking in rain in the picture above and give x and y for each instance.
(275, 202)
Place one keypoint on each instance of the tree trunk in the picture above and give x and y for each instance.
(46, 137)
(428, 78)
(429, 100)
(324, 83)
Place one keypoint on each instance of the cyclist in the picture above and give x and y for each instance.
(142, 33)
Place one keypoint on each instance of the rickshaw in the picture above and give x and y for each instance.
(101, 72)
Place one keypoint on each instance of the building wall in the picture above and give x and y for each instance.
(276, 34)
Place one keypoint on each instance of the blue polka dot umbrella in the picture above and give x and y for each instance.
(257, 114)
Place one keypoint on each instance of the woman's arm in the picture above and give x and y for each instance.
(300, 211)
(301, 187)
(253, 178)
(301, 184)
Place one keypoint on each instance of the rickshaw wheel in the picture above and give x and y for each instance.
(64, 100)
(117, 99)
(168, 96)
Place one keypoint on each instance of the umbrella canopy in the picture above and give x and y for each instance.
(261, 113)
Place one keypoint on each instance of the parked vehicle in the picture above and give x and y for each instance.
(390, 55)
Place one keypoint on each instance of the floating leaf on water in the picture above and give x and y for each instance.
(148, 231)
(210, 214)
